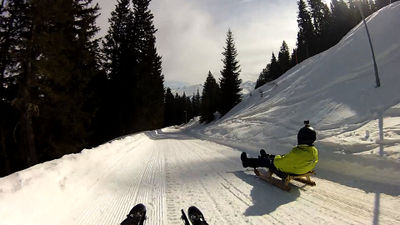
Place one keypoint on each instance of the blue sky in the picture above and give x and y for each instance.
(191, 34)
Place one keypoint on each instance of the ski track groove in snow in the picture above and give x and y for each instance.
(147, 187)
(226, 187)
(89, 211)
(358, 207)
(197, 190)
(225, 183)
(153, 187)
(230, 186)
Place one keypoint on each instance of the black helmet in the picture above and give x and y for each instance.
(306, 135)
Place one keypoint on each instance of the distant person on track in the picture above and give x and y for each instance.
(300, 160)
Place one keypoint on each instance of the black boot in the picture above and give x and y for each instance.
(196, 216)
(253, 162)
(263, 153)
(244, 158)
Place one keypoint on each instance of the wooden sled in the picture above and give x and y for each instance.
(283, 182)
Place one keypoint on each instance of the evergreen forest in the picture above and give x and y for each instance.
(320, 27)
(62, 89)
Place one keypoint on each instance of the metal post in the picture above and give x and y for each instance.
(378, 83)
(381, 136)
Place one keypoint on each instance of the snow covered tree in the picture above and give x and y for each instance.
(230, 82)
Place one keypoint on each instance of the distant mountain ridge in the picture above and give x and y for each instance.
(191, 90)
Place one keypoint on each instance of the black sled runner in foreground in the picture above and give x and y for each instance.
(136, 216)
(195, 216)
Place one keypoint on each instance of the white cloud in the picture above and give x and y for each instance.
(191, 34)
(187, 39)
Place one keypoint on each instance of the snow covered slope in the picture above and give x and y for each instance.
(358, 175)
(336, 91)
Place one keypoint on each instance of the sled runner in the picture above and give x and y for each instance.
(195, 216)
(184, 218)
(136, 216)
(283, 182)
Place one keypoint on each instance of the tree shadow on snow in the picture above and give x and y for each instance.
(266, 197)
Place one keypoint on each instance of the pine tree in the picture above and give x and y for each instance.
(169, 112)
(306, 35)
(262, 78)
(230, 82)
(209, 99)
(52, 61)
(372, 6)
(120, 61)
(196, 103)
(88, 64)
(57, 60)
(150, 81)
(26, 100)
(68, 63)
(188, 112)
(382, 3)
(14, 24)
(317, 14)
(274, 69)
(284, 58)
(321, 17)
(354, 11)
(293, 58)
(342, 20)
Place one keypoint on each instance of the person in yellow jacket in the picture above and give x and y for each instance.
(300, 160)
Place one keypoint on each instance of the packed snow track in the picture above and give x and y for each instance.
(170, 171)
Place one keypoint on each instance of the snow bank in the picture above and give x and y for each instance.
(47, 192)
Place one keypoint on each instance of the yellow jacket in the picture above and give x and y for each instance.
(300, 160)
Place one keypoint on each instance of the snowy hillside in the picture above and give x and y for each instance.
(358, 174)
(336, 91)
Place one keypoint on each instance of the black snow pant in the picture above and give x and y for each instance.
(267, 162)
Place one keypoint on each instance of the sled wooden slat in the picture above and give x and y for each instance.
(284, 183)
(272, 180)
(303, 178)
